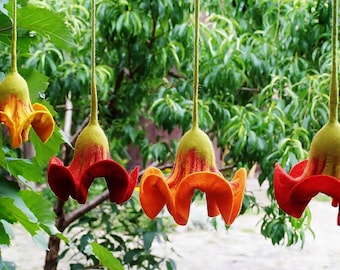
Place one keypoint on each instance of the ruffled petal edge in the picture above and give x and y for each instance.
(223, 197)
(43, 122)
(154, 192)
(60, 179)
(120, 184)
(293, 193)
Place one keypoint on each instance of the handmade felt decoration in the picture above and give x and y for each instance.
(91, 158)
(194, 168)
(16, 111)
(321, 172)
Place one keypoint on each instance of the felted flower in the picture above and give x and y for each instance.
(194, 168)
(320, 173)
(91, 160)
(91, 156)
(18, 114)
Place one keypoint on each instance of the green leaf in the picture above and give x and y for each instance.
(37, 83)
(3, 162)
(29, 209)
(47, 23)
(40, 238)
(7, 265)
(5, 25)
(28, 169)
(10, 190)
(4, 235)
(44, 151)
(41, 208)
(148, 239)
(18, 213)
(105, 257)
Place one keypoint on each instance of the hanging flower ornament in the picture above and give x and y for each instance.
(321, 172)
(91, 158)
(194, 168)
(16, 111)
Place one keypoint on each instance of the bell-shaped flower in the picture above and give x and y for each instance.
(320, 173)
(91, 160)
(194, 168)
(18, 114)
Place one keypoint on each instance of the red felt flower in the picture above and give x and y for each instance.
(320, 173)
(91, 160)
(194, 169)
(18, 114)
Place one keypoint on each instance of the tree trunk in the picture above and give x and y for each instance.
(51, 258)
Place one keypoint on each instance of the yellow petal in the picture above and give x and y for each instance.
(43, 122)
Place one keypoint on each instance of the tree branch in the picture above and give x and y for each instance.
(249, 89)
(73, 216)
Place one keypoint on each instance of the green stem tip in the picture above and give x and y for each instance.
(94, 98)
(196, 67)
(334, 91)
(14, 38)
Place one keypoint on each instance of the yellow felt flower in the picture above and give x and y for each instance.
(18, 114)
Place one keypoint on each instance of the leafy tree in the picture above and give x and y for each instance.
(264, 73)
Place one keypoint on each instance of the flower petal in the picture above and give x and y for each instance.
(43, 122)
(60, 179)
(117, 180)
(238, 184)
(309, 187)
(16, 139)
(154, 192)
(283, 186)
(16, 116)
(299, 169)
(294, 194)
(133, 177)
(219, 192)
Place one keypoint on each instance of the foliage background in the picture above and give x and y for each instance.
(264, 80)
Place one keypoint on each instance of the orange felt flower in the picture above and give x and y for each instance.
(18, 114)
(91, 160)
(194, 168)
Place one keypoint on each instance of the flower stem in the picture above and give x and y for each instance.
(196, 67)
(94, 98)
(334, 92)
(14, 38)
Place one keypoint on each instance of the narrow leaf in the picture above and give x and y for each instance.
(105, 257)
(4, 237)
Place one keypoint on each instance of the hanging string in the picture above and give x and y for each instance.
(14, 38)
(196, 67)
(334, 92)
(94, 98)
